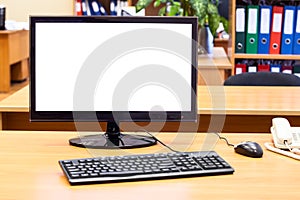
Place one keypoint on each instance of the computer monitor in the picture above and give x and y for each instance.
(113, 69)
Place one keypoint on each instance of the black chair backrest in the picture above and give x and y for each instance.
(263, 79)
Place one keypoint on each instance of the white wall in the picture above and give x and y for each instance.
(20, 10)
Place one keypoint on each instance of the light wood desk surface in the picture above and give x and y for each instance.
(29, 170)
(236, 100)
(245, 109)
(249, 100)
(17, 102)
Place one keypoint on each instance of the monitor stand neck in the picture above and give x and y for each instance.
(113, 133)
(113, 139)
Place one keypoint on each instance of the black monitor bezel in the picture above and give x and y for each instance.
(68, 116)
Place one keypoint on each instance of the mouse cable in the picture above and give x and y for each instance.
(171, 149)
(223, 138)
(165, 145)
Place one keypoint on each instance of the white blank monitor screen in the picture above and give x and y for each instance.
(111, 65)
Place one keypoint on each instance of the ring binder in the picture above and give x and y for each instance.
(288, 30)
(275, 36)
(296, 47)
(264, 30)
(252, 26)
(240, 29)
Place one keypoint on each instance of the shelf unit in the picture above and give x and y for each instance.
(105, 4)
(234, 56)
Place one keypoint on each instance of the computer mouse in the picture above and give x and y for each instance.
(250, 149)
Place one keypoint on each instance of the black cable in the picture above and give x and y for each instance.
(155, 138)
(223, 138)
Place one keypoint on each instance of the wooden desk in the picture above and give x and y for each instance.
(215, 68)
(14, 54)
(29, 170)
(222, 42)
(222, 109)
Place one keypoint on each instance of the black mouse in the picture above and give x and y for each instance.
(250, 149)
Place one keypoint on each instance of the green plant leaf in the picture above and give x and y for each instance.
(212, 9)
(162, 11)
(225, 23)
(157, 3)
(175, 3)
(214, 21)
(199, 9)
(141, 4)
(173, 11)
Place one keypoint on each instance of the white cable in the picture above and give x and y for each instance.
(270, 147)
(287, 145)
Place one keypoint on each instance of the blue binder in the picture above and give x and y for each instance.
(296, 47)
(84, 7)
(287, 38)
(275, 67)
(113, 7)
(102, 9)
(264, 29)
(96, 8)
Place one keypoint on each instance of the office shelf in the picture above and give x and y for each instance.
(243, 56)
(266, 56)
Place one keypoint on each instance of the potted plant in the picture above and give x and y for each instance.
(203, 9)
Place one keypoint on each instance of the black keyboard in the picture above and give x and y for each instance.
(144, 166)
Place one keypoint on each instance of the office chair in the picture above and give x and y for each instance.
(263, 79)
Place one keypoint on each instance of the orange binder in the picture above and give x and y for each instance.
(275, 36)
(78, 8)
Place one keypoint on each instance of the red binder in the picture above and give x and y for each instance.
(263, 67)
(240, 68)
(275, 36)
(78, 8)
(287, 69)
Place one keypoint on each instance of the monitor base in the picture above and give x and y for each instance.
(121, 141)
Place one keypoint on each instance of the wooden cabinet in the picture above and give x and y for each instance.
(14, 57)
(238, 57)
(221, 42)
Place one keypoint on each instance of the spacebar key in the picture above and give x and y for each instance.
(123, 173)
